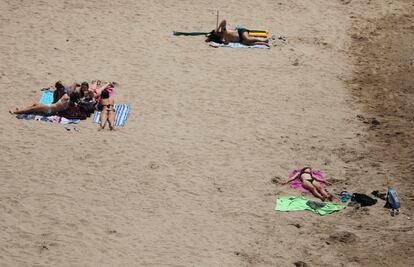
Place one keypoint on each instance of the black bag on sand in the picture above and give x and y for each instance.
(87, 106)
(363, 199)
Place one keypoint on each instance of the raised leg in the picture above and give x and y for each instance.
(72, 87)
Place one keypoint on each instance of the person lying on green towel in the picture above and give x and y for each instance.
(223, 36)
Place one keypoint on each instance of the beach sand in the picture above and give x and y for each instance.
(213, 132)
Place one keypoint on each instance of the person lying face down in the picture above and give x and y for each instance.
(50, 109)
(223, 36)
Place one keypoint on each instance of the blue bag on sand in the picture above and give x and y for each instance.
(393, 202)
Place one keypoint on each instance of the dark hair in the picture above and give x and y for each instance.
(105, 94)
(74, 97)
(82, 93)
(59, 85)
(213, 37)
(302, 171)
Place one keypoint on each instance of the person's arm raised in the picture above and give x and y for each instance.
(222, 26)
(99, 91)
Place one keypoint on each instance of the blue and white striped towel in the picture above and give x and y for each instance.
(121, 115)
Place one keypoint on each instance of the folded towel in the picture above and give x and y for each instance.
(236, 45)
(47, 97)
(121, 115)
(301, 203)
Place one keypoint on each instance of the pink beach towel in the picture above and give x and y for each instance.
(297, 183)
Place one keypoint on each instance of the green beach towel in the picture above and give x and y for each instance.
(301, 203)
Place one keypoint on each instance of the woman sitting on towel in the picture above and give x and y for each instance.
(311, 183)
(50, 109)
(106, 105)
(222, 35)
(87, 102)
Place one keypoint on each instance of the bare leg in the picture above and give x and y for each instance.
(248, 40)
(104, 117)
(72, 87)
(111, 120)
(308, 185)
(321, 190)
(37, 108)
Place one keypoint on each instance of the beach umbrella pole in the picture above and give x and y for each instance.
(217, 19)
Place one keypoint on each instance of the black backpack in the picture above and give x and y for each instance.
(363, 199)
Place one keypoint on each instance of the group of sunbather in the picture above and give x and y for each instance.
(78, 101)
(68, 101)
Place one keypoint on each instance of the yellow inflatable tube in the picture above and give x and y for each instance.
(258, 34)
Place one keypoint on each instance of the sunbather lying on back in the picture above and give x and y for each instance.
(49, 109)
(311, 183)
(222, 35)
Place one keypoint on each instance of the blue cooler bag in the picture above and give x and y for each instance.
(393, 202)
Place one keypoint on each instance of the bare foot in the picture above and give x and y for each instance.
(331, 198)
(12, 111)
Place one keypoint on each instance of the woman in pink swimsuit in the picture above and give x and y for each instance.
(97, 89)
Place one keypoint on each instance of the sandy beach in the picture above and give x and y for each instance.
(193, 177)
